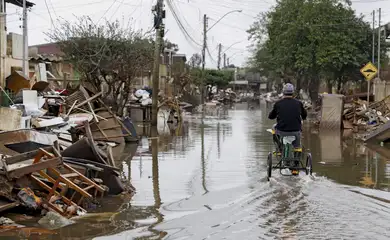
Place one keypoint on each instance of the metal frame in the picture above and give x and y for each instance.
(278, 153)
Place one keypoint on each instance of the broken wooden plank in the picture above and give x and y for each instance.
(85, 161)
(120, 122)
(70, 110)
(110, 156)
(91, 142)
(106, 128)
(6, 206)
(89, 100)
(24, 156)
(19, 172)
(102, 132)
(84, 178)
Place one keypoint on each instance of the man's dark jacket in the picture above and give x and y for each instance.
(289, 113)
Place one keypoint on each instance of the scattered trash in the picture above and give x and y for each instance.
(53, 220)
(6, 221)
(29, 199)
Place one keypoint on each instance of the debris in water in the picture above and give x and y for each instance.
(53, 220)
(208, 207)
(6, 221)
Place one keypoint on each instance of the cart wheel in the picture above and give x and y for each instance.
(269, 166)
(309, 164)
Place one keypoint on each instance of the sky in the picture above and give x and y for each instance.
(230, 31)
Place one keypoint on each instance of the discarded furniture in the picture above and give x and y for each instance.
(25, 140)
(21, 165)
(73, 180)
(17, 81)
(86, 148)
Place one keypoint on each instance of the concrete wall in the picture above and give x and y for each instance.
(381, 89)
(14, 56)
(12, 62)
(332, 112)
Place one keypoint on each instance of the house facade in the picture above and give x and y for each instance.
(11, 45)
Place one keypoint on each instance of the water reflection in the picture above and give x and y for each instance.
(219, 140)
(225, 194)
(156, 186)
(202, 157)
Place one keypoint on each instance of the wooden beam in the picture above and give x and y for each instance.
(19, 172)
(6, 206)
(88, 100)
(85, 161)
(24, 156)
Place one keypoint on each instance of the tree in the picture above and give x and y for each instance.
(169, 45)
(105, 55)
(195, 60)
(311, 40)
(214, 77)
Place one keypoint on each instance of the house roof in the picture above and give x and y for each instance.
(43, 44)
(46, 58)
(19, 3)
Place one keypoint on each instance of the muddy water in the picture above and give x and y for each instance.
(208, 181)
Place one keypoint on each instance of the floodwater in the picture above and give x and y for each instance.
(208, 181)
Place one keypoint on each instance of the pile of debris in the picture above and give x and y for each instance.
(358, 115)
(224, 96)
(141, 99)
(57, 185)
(58, 153)
(272, 97)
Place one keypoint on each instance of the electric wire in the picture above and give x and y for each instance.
(48, 10)
(181, 27)
(210, 56)
(113, 3)
(52, 7)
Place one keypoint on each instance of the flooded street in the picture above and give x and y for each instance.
(210, 183)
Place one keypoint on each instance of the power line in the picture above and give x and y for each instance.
(116, 9)
(48, 10)
(107, 11)
(54, 11)
(210, 56)
(181, 27)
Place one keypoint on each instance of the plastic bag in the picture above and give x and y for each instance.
(28, 198)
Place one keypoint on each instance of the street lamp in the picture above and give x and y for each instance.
(205, 46)
(222, 18)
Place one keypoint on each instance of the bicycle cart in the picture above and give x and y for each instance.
(288, 157)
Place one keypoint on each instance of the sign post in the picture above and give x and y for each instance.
(369, 71)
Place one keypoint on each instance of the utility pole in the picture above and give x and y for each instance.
(228, 62)
(219, 56)
(224, 60)
(203, 57)
(373, 37)
(25, 40)
(3, 44)
(379, 45)
(235, 79)
(373, 55)
(159, 15)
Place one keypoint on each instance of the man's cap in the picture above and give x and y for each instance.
(288, 89)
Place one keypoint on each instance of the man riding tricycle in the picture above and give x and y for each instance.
(289, 114)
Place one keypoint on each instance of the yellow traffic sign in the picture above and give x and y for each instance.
(369, 71)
